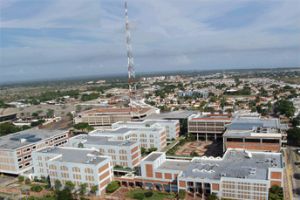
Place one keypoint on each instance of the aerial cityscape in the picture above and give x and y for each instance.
(165, 100)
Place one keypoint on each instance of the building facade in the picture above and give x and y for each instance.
(255, 134)
(124, 153)
(208, 126)
(172, 126)
(77, 165)
(16, 149)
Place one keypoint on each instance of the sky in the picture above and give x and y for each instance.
(45, 39)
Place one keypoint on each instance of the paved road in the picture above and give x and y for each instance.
(294, 170)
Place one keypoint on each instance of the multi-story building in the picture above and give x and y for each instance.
(105, 117)
(172, 126)
(208, 126)
(255, 134)
(16, 148)
(77, 165)
(148, 137)
(125, 153)
(238, 174)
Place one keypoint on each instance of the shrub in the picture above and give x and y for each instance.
(148, 194)
(181, 194)
(139, 196)
(27, 181)
(36, 188)
(20, 179)
(113, 186)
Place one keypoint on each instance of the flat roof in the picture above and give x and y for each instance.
(75, 155)
(179, 114)
(26, 137)
(123, 130)
(179, 165)
(102, 140)
(234, 164)
(153, 156)
(255, 127)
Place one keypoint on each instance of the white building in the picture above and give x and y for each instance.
(148, 137)
(124, 153)
(16, 148)
(172, 126)
(77, 165)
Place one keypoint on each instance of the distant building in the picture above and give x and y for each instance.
(74, 164)
(255, 134)
(208, 126)
(105, 117)
(16, 148)
(7, 115)
(172, 126)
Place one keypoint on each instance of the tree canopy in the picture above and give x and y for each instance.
(285, 107)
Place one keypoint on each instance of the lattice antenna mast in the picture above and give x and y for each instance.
(131, 72)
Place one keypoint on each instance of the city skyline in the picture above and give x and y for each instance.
(57, 39)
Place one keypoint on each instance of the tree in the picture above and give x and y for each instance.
(112, 186)
(143, 151)
(212, 196)
(57, 185)
(294, 136)
(36, 188)
(285, 107)
(276, 193)
(94, 189)
(194, 154)
(83, 188)
(80, 145)
(50, 113)
(83, 127)
(69, 185)
(65, 194)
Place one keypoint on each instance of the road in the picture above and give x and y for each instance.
(293, 170)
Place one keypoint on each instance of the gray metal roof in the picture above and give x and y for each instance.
(75, 155)
(153, 156)
(174, 165)
(26, 137)
(235, 164)
(180, 114)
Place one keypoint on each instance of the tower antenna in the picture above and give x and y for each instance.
(130, 65)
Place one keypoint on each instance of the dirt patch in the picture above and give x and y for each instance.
(202, 148)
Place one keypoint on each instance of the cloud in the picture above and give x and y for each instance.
(63, 38)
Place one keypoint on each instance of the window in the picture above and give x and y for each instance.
(76, 169)
(63, 168)
(88, 170)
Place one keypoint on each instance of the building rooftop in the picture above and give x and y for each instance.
(123, 130)
(211, 117)
(234, 164)
(26, 137)
(255, 127)
(101, 140)
(179, 165)
(153, 156)
(75, 155)
(180, 114)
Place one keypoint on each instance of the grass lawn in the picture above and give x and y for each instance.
(141, 194)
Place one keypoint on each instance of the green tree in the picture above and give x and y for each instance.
(83, 127)
(50, 113)
(83, 188)
(57, 185)
(94, 189)
(69, 185)
(276, 193)
(212, 196)
(112, 186)
(294, 136)
(285, 107)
